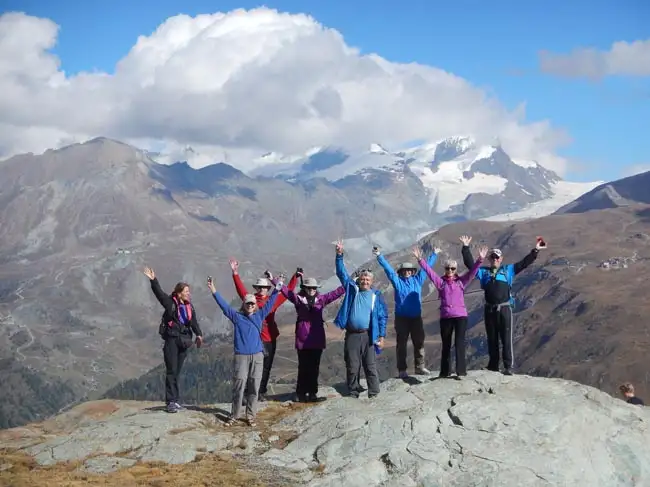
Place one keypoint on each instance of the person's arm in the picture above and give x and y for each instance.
(382, 315)
(468, 259)
(225, 307)
(266, 309)
(525, 262)
(470, 274)
(286, 292)
(341, 272)
(389, 271)
(194, 323)
(239, 285)
(162, 297)
(428, 271)
(332, 296)
(422, 274)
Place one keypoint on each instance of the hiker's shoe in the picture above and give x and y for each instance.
(262, 397)
(354, 394)
(507, 372)
(403, 374)
(178, 407)
(171, 407)
(301, 398)
(315, 398)
(422, 371)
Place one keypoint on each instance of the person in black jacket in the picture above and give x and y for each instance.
(177, 324)
(627, 390)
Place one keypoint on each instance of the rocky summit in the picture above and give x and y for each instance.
(484, 430)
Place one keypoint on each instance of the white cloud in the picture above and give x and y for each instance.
(623, 58)
(245, 82)
(634, 169)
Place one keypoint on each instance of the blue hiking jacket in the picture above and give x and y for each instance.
(408, 290)
(247, 334)
(379, 315)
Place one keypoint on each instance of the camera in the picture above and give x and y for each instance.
(300, 270)
(209, 279)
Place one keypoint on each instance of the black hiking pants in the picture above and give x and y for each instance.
(174, 353)
(455, 327)
(498, 327)
(308, 369)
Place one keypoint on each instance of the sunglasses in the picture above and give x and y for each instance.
(310, 287)
(249, 304)
(450, 268)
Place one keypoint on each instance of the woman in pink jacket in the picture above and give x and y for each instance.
(453, 314)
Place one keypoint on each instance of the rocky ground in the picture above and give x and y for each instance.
(485, 430)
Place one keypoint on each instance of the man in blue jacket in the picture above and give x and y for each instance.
(407, 283)
(363, 316)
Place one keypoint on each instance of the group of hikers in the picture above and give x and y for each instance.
(362, 314)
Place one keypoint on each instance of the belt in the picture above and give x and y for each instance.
(356, 331)
(496, 307)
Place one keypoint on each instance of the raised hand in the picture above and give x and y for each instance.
(541, 244)
(268, 275)
(339, 247)
(483, 251)
(234, 265)
(300, 272)
(437, 250)
(376, 251)
(211, 286)
(417, 252)
(465, 239)
(281, 277)
(148, 271)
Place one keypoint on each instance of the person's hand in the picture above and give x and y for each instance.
(437, 250)
(541, 244)
(148, 271)
(376, 251)
(483, 251)
(199, 341)
(300, 272)
(417, 253)
(380, 343)
(234, 265)
(465, 239)
(281, 277)
(211, 287)
(339, 247)
(268, 275)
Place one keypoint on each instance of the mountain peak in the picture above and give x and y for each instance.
(377, 149)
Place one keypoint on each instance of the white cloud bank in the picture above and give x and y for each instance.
(623, 58)
(241, 84)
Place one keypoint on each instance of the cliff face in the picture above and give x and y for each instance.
(487, 430)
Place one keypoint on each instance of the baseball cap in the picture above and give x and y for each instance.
(496, 252)
(250, 298)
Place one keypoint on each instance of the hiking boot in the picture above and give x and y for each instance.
(315, 398)
(403, 374)
(507, 372)
(354, 394)
(171, 407)
(422, 371)
(262, 397)
(301, 397)
(179, 407)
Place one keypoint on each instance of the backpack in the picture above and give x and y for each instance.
(166, 325)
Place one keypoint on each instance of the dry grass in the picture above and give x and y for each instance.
(215, 470)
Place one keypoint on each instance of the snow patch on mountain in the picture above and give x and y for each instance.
(563, 192)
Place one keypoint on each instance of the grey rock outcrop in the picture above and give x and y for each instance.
(484, 430)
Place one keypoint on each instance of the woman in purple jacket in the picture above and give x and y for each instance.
(453, 314)
(310, 333)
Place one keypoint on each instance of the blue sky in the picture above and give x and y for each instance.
(494, 45)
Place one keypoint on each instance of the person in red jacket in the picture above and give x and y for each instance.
(270, 330)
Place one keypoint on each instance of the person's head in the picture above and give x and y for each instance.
(364, 281)
(262, 286)
(406, 269)
(249, 306)
(627, 390)
(495, 257)
(182, 292)
(450, 268)
(310, 286)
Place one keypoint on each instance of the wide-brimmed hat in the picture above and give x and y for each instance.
(310, 282)
(406, 266)
(262, 282)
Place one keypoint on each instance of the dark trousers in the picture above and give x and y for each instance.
(269, 355)
(414, 327)
(174, 354)
(359, 352)
(308, 368)
(498, 327)
(455, 327)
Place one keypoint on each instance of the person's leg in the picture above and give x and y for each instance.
(240, 367)
(491, 324)
(180, 359)
(460, 328)
(269, 355)
(402, 336)
(170, 355)
(505, 333)
(416, 329)
(369, 361)
(446, 329)
(254, 379)
(301, 382)
(314, 371)
(352, 355)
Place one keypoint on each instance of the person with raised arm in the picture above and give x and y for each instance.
(453, 313)
(310, 332)
(363, 316)
(248, 360)
(270, 331)
(407, 284)
(496, 281)
(177, 325)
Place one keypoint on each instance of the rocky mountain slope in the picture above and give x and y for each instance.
(487, 430)
(79, 223)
